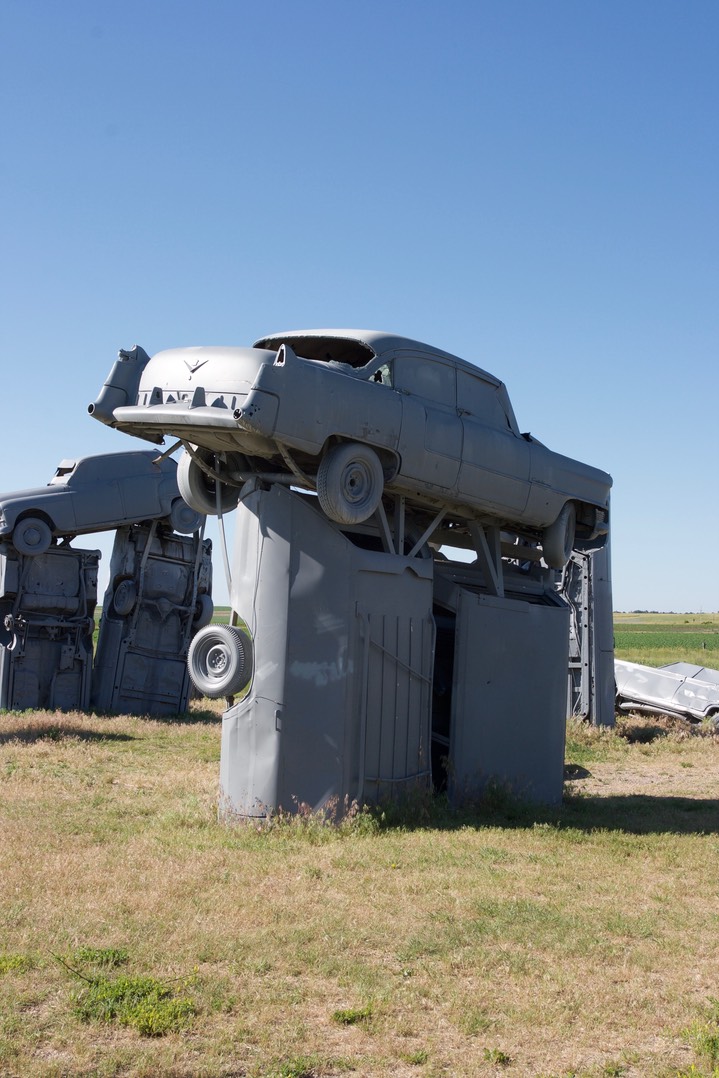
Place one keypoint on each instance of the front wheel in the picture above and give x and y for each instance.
(350, 482)
(220, 661)
(558, 539)
(32, 536)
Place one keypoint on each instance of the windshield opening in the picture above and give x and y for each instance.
(324, 349)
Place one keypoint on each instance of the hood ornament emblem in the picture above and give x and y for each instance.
(192, 367)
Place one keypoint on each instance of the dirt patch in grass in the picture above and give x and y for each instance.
(665, 755)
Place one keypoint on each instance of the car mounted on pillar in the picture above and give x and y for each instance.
(356, 415)
(98, 493)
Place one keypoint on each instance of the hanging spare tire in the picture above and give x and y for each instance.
(199, 489)
(350, 482)
(220, 661)
(558, 539)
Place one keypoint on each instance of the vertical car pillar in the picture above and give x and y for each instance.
(158, 596)
(47, 603)
(586, 585)
(339, 703)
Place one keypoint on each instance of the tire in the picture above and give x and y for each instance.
(198, 490)
(350, 482)
(558, 538)
(32, 536)
(124, 598)
(220, 661)
(204, 609)
(184, 519)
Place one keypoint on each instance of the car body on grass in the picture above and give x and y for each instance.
(356, 414)
(96, 493)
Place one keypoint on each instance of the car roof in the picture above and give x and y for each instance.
(360, 346)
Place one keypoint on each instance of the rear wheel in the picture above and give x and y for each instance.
(32, 536)
(350, 482)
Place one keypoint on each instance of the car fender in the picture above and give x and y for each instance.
(317, 402)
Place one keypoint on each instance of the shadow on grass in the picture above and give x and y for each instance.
(636, 814)
(53, 731)
(642, 814)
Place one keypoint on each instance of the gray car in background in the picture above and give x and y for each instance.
(355, 415)
(93, 494)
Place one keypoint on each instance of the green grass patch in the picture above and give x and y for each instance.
(143, 1003)
(108, 957)
(14, 963)
(352, 1015)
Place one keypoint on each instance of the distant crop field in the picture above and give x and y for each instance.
(659, 639)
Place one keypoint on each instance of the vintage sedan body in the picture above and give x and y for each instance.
(94, 494)
(356, 414)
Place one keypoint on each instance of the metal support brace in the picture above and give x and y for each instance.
(427, 533)
(386, 533)
(399, 518)
(489, 554)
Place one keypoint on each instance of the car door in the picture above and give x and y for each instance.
(431, 436)
(496, 461)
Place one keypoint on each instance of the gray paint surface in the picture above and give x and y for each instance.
(342, 638)
(141, 660)
(509, 698)
(586, 585)
(47, 603)
(48, 592)
(443, 429)
(678, 689)
(99, 493)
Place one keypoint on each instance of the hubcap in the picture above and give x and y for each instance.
(216, 660)
(356, 482)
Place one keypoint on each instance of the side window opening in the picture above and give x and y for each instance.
(383, 375)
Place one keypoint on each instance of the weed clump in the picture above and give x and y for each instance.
(352, 1015)
(14, 963)
(142, 1003)
(108, 957)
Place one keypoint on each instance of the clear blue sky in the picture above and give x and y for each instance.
(531, 185)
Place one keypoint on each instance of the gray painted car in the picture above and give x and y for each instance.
(354, 414)
(676, 689)
(94, 494)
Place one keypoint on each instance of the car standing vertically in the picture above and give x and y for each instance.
(356, 414)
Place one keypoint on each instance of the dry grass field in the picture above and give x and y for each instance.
(139, 937)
